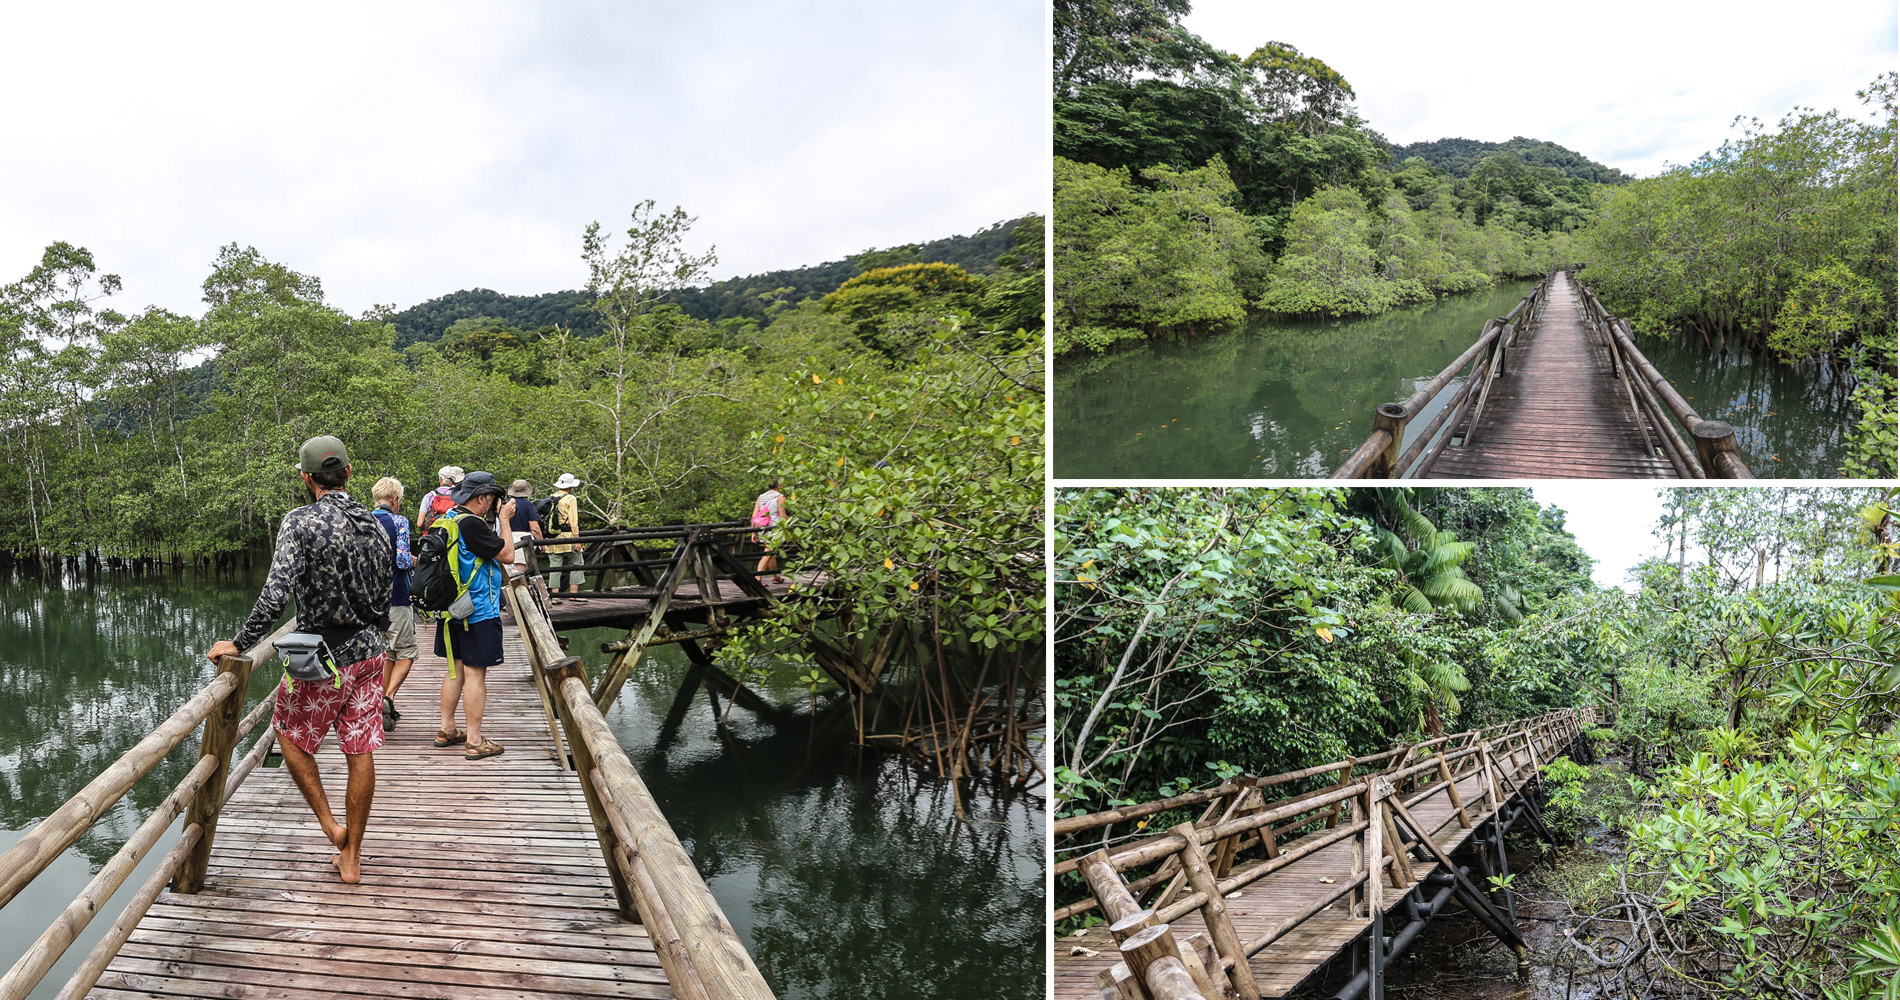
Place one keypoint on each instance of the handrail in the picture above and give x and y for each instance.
(652, 875)
(200, 794)
(1378, 457)
(1715, 455)
(1200, 852)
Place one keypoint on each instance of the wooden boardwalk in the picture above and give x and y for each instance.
(482, 880)
(1558, 412)
(1302, 901)
(630, 606)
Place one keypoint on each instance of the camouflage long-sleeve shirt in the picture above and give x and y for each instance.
(333, 559)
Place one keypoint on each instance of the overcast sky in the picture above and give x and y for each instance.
(1612, 521)
(401, 152)
(1629, 83)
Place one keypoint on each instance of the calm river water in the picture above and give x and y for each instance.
(1292, 399)
(847, 875)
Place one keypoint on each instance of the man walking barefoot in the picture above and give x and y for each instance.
(333, 558)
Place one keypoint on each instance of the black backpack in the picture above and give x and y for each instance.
(432, 585)
(545, 508)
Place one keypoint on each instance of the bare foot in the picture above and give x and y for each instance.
(333, 830)
(349, 865)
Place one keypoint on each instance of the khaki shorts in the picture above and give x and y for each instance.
(402, 632)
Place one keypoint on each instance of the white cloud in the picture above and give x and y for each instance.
(403, 152)
(1629, 83)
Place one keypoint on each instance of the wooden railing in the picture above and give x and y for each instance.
(1380, 457)
(641, 554)
(199, 796)
(1715, 455)
(1197, 864)
(653, 878)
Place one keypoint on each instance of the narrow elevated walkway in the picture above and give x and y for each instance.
(1259, 896)
(481, 879)
(1556, 389)
(547, 872)
(1559, 412)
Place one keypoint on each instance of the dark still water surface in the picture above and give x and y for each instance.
(846, 875)
(1293, 399)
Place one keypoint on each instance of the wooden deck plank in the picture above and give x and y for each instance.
(1557, 413)
(481, 880)
(1283, 966)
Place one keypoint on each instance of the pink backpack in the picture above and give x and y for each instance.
(762, 510)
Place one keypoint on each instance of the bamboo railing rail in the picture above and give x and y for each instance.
(1715, 455)
(1379, 457)
(1375, 812)
(652, 875)
(200, 796)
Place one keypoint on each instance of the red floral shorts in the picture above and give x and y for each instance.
(306, 711)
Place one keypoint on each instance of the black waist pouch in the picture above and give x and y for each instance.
(307, 657)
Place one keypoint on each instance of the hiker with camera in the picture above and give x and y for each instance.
(333, 558)
(459, 577)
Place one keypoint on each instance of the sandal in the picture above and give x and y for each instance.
(450, 739)
(489, 748)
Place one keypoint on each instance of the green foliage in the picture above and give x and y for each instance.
(1459, 157)
(1782, 240)
(917, 494)
(1189, 622)
(1177, 257)
(893, 308)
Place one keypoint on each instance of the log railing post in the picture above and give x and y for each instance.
(1214, 912)
(1154, 958)
(220, 736)
(1715, 446)
(1392, 418)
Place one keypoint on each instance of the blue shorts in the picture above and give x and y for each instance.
(477, 644)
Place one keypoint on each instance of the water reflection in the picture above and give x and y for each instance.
(1277, 399)
(1790, 420)
(847, 874)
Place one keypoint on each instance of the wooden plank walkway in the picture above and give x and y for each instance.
(1288, 962)
(481, 880)
(1558, 412)
(688, 602)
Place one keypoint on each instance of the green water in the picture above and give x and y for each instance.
(1790, 420)
(1293, 399)
(846, 875)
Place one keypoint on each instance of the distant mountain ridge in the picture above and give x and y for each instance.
(729, 299)
(1458, 156)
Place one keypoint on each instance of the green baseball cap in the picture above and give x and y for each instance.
(322, 454)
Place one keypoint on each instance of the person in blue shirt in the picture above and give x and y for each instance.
(479, 553)
(387, 494)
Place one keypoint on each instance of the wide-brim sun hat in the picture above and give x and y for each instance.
(566, 482)
(520, 488)
(476, 484)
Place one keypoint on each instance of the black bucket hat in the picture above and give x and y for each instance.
(476, 484)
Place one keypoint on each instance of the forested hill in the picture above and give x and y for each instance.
(1458, 156)
(728, 299)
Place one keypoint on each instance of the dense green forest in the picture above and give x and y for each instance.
(122, 440)
(903, 412)
(1195, 188)
(1459, 157)
(747, 298)
(1745, 685)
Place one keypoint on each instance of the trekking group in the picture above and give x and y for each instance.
(359, 578)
